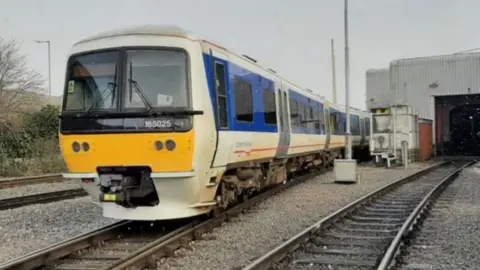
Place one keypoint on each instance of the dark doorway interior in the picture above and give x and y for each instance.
(457, 125)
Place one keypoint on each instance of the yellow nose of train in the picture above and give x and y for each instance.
(169, 152)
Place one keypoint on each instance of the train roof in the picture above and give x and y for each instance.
(176, 31)
(147, 29)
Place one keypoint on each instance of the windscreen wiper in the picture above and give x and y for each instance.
(111, 85)
(139, 91)
(87, 111)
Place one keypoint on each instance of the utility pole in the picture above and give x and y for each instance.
(334, 77)
(346, 168)
(49, 66)
(348, 139)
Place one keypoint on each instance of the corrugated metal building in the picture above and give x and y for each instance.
(416, 81)
(377, 88)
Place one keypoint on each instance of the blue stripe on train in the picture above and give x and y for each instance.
(258, 84)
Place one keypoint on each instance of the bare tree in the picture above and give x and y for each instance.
(18, 83)
(19, 87)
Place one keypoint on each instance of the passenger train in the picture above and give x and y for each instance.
(158, 123)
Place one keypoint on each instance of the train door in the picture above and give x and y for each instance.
(326, 119)
(219, 76)
(283, 123)
(362, 130)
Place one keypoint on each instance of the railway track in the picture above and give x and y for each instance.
(134, 245)
(367, 233)
(419, 242)
(46, 197)
(30, 180)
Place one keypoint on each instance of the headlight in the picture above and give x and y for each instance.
(158, 145)
(76, 147)
(170, 145)
(85, 146)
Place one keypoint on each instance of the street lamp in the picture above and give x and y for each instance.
(347, 86)
(49, 69)
(346, 169)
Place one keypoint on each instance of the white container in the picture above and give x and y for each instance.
(402, 121)
(346, 171)
(382, 133)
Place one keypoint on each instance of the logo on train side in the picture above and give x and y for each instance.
(243, 147)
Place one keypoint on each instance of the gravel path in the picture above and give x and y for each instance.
(37, 188)
(29, 228)
(449, 237)
(278, 218)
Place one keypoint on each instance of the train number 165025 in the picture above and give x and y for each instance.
(158, 123)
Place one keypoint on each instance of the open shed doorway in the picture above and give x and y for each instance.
(457, 120)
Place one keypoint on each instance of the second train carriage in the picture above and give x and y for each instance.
(158, 123)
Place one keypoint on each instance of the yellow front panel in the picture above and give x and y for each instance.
(129, 150)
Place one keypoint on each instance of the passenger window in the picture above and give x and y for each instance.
(367, 126)
(270, 107)
(294, 117)
(302, 113)
(353, 125)
(305, 116)
(316, 122)
(333, 123)
(322, 120)
(243, 101)
(310, 116)
(285, 109)
(220, 87)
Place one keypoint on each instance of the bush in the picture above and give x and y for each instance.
(31, 147)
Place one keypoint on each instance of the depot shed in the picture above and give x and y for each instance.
(433, 83)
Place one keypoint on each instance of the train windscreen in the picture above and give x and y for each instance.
(151, 78)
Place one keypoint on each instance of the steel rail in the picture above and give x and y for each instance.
(159, 247)
(30, 180)
(414, 216)
(278, 253)
(147, 256)
(59, 250)
(41, 198)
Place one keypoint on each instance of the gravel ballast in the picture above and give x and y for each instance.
(29, 228)
(449, 236)
(278, 218)
(37, 189)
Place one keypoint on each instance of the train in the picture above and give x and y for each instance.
(158, 123)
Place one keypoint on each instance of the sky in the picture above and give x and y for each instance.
(291, 37)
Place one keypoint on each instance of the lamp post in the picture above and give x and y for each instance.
(346, 169)
(348, 145)
(49, 67)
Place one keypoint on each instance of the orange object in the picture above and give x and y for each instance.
(425, 128)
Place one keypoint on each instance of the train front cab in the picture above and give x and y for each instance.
(134, 122)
